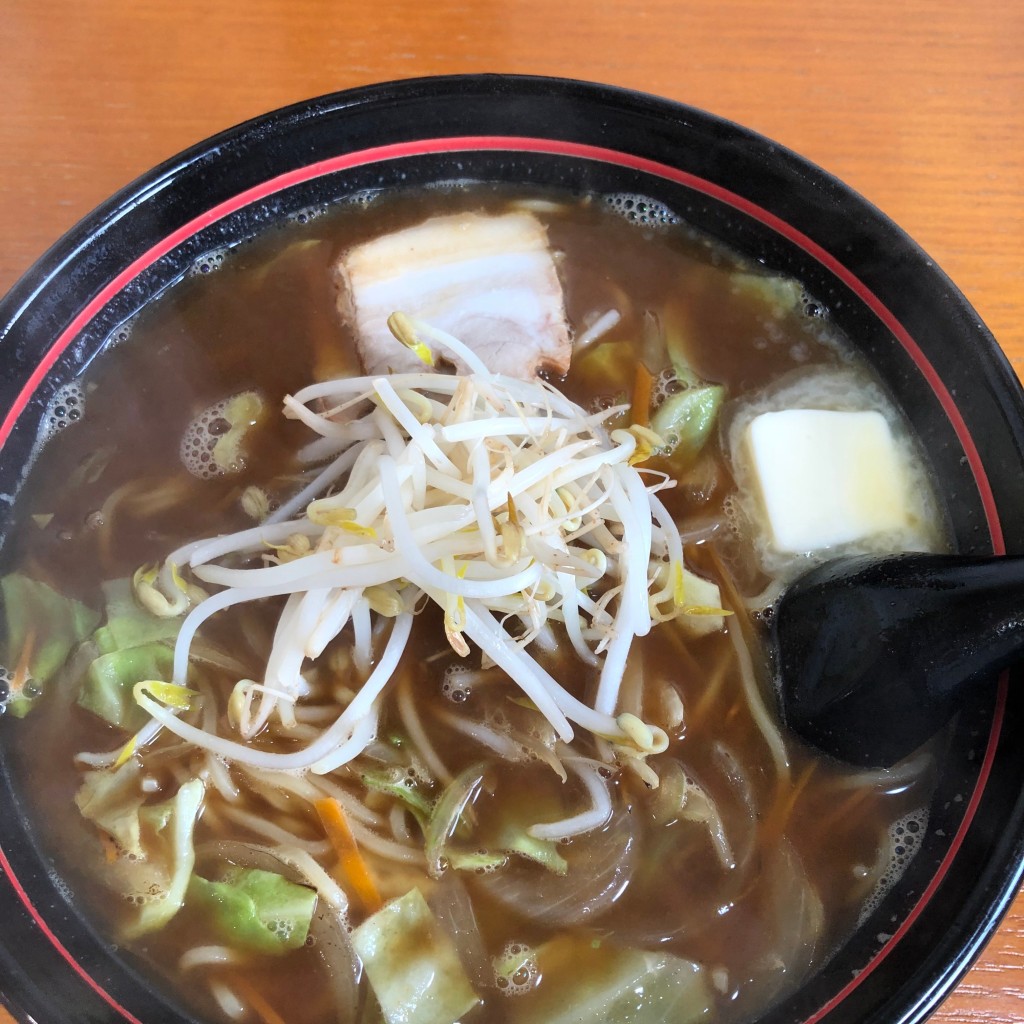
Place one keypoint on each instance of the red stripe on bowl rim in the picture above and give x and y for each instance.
(581, 151)
(8, 872)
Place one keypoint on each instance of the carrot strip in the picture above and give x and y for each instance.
(643, 384)
(842, 813)
(256, 1000)
(21, 675)
(779, 815)
(350, 860)
(110, 851)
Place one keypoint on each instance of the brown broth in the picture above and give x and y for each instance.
(266, 320)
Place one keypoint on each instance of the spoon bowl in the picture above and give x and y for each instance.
(874, 655)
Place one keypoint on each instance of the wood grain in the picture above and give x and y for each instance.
(918, 104)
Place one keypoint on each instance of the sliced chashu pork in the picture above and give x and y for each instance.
(488, 280)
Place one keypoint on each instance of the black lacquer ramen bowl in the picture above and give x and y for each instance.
(907, 319)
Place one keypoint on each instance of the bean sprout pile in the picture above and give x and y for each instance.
(499, 500)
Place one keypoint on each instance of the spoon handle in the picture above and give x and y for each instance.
(960, 616)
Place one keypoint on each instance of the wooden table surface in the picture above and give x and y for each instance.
(917, 104)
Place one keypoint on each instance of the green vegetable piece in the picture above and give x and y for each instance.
(702, 605)
(517, 958)
(412, 964)
(607, 368)
(52, 624)
(685, 420)
(677, 330)
(21, 704)
(476, 860)
(399, 786)
(612, 360)
(446, 819)
(128, 624)
(242, 412)
(781, 295)
(161, 880)
(515, 839)
(584, 983)
(134, 645)
(107, 689)
(451, 819)
(255, 911)
(154, 855)
(112, 799)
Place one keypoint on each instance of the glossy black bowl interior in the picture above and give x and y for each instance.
(941, 365)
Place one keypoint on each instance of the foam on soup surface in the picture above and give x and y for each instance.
(650, 846)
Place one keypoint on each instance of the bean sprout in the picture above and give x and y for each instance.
(490, 496)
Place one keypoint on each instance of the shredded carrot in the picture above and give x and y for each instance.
(843, 812)
(643, 383)
(778, 816)
(350, 861)
(256, 1000)
(21, 675)
(110, 850)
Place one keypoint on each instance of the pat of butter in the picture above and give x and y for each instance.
(827, 478)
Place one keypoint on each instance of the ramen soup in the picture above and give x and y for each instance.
(409, 667)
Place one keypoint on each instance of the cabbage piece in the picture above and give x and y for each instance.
(685, 420)
(134, 645)
(515, 838)
(213, 442)
(412, 964)
(128, 624)
(396, 783)
(779, 295)
(702, 605)
(154, 854)
(607, 368)
(45, 626)
(583, 982)
(255, 911)
(447, 817)
(111, 800)
(476, 861)
(600, 867)
(451, 819)
(107, 689)
(162, 879)
(610, 360)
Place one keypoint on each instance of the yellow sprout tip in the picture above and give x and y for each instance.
(363, 531)
(679, 585)
(171, 694)
(126, 752)
(145, 573)
(401, 327)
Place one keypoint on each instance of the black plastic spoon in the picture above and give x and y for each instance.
(874, 654)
